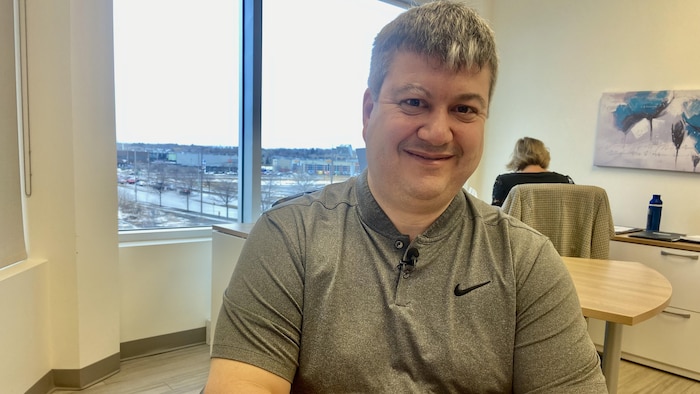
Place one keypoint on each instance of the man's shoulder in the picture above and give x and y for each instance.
(494, 218)
(481, 210)
(329, 198)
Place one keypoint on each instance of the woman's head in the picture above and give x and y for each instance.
(529, 151)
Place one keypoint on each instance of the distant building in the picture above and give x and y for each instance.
(342, 160)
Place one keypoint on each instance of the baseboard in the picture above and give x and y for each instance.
(79, 379)
(76, 379)
(162, 343)
(44, 385)
(85, 377)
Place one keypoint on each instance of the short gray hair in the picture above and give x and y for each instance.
(445, 30)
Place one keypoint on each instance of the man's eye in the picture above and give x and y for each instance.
(466, 113)
(412, 102)
(465, 109)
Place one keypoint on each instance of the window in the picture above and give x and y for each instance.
(177, 97)
(314, 76)
(176, 87)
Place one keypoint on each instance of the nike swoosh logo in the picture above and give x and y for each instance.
(460, 292)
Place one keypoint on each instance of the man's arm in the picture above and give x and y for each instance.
(553, 351)
(229, 376)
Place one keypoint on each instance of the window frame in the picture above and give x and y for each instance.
(250, 112)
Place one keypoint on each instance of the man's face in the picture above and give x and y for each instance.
(424, 134)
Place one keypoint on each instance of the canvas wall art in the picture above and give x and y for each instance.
(657, 130)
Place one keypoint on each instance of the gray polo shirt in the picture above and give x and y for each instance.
(319, 298)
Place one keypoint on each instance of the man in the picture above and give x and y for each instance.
(397, 280)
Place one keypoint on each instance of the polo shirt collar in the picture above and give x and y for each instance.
(374, 217)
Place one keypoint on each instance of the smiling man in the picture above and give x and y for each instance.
(424, 132)
(398, 280)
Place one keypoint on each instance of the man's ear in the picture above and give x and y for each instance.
(367, 106)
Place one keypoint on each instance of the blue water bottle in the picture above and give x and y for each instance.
(654, 214)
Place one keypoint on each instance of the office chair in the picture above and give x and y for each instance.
(576, 218)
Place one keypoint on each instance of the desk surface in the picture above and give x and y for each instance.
(682, 245)
(624, 292)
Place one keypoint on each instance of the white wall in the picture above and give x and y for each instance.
(60, 308)
(70, 213)
(25, 328)
(165, 287)
(558, 57)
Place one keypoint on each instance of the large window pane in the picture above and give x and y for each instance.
(176, 84)
(315, 72)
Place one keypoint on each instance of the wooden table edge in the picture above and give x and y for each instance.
(625, 319)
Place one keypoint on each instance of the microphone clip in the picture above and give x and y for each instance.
(408, 262)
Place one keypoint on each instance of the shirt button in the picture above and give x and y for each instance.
(398, 244)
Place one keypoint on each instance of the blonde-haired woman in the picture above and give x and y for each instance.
(529, 163)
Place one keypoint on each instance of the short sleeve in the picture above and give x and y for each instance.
(553, 350)
(260, 318)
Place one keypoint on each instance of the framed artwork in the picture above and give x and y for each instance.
(657, 130)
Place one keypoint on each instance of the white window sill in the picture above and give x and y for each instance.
(133, 238)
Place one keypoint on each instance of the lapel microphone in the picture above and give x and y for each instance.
(408, 262)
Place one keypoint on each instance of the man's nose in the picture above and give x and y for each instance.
(436, 130)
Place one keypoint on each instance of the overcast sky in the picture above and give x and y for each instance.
(176, 70)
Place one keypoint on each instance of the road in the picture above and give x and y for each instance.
(174, 209)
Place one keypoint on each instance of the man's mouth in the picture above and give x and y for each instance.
(429, 156)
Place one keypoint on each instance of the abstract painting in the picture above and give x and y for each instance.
(657, 130)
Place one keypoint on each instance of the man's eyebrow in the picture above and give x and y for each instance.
(473, 96)
(412, 88)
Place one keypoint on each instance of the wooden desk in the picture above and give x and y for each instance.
(680, 245)
(618, 292)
